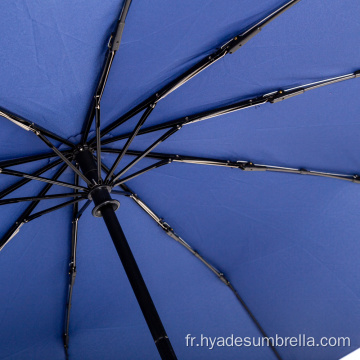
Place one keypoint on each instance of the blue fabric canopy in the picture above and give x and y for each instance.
(287, 243)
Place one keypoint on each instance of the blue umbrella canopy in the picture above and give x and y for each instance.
(243, 219)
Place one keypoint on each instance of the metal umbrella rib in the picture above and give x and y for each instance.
(28, 159)
(21, 183)
(145, 152)
(45, 197)
(22, 219)
(238, 164)
(53, 208)
(272, 97)
(128, 142)
(143, 171)
(39, 178)
(76, 215)
(229, 47)
(113, 47)
(30, 126)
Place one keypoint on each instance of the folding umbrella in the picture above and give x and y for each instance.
(95, 114)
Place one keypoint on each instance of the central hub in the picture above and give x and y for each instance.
(99, 194)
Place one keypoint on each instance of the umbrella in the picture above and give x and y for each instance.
(224, 253)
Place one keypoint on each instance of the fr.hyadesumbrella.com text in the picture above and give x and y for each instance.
(212, 342)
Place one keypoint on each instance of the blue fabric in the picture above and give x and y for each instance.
(288, 243)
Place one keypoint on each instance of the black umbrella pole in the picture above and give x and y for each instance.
(137, 283)
(105, 207)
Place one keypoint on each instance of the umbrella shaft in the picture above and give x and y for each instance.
(105, 206)
(137, 283)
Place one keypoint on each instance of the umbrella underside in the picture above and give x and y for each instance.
(89, 179)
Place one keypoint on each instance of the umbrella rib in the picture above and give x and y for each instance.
(39, 178)
(21, 183)
(239, 164)
(98, 139)
(63, 157)
(30, 126)
(105, 71)
(53, 208)
(163, 92)
(83, 208)
(170, 232)
(15, 228)
(172, 131)
(119, 192)
(129, 141)
(45, 197)
(28, 159)
(113, 47)
(140, 172)
(256, 167)
(227, 48)
(272, 97)
(72, 265)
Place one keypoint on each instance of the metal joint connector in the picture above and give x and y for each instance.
(72, 270)
(223, 279)
(165, 226)
(282, 95)
(110, 41)
(356, 179)
(30, 128)
(249, 166)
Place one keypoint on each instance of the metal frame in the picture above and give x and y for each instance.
(46, 197)
(272, 97)
(29, 159)
(22, 219)
(40, 178)
(143, 171)
(129, 141)
(98, 192)
(229, 47)
(237, 164)
(30, 126)
(21, 183)
(162, 138)
(72, 264)
(113, 47)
